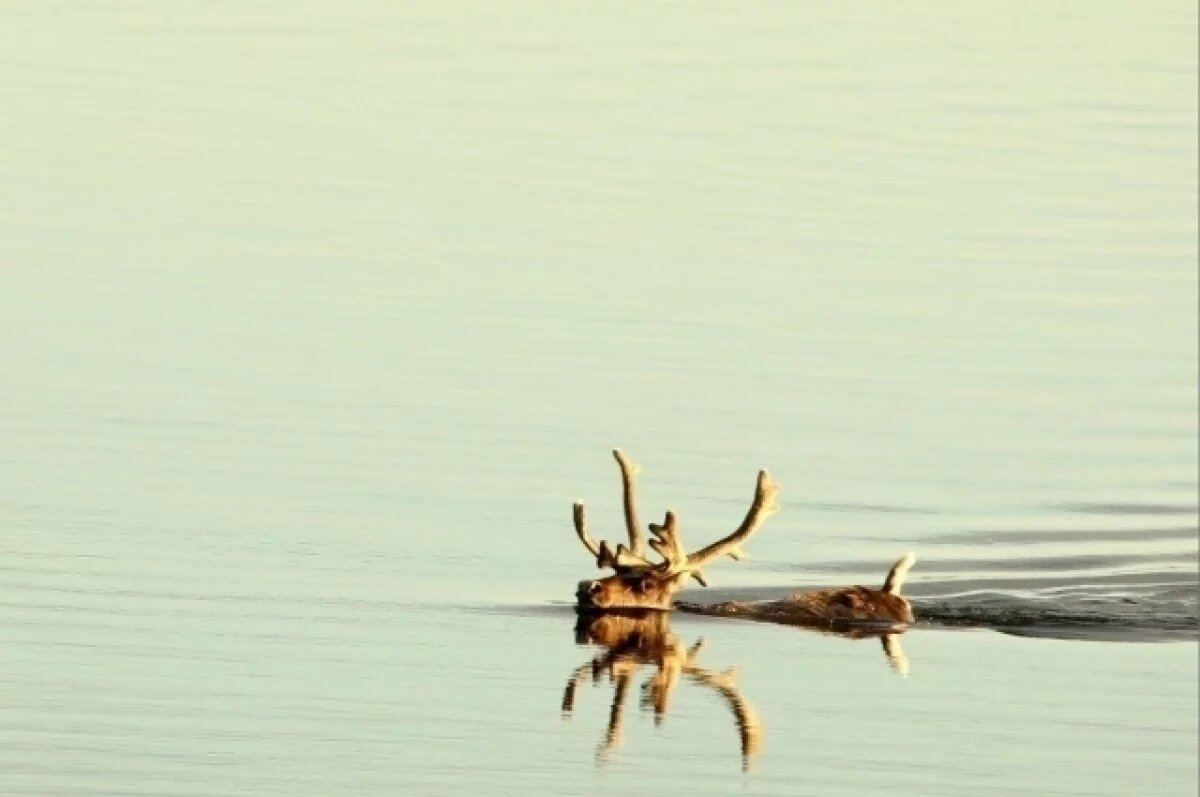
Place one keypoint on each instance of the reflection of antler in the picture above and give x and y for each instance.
(749, 725)
(895, 653)
(646, 639)
(676, 660)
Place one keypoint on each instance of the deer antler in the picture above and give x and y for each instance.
(622, 558)
(762, 508)
(629, 472)
(619, 560)
(658, 581)
(634, 557)
(666, 542)
(668, 545)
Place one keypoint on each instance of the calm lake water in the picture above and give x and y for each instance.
(319, 316)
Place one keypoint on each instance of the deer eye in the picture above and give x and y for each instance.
(643, 585)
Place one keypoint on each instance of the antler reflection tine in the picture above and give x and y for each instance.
(750, 730)
(612, 734)
(672, 660)
(568, 701)
(895, 654)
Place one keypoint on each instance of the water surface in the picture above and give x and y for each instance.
(318, 317)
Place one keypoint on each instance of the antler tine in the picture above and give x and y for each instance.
(669, 546)
(763, 506)
(620, 559)
(667, 543)
(581, 531)
(629, 472)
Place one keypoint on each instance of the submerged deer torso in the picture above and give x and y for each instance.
(637, 583)
(835, 609)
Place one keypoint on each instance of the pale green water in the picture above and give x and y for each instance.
(319, 316)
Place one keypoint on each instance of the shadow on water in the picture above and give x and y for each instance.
(634, 639)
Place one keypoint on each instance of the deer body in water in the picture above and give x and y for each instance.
(638, 583)
(842, 608)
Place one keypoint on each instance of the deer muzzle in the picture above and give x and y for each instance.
(586, 592)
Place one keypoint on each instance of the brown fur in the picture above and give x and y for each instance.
(829, 608)
(836, 609)
(645, 589)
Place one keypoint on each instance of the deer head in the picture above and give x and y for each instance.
(638, 583)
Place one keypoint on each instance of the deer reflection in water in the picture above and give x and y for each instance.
(634, 639)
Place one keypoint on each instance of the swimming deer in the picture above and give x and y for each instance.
(638, 583)
(839, 609)
(634, 639)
